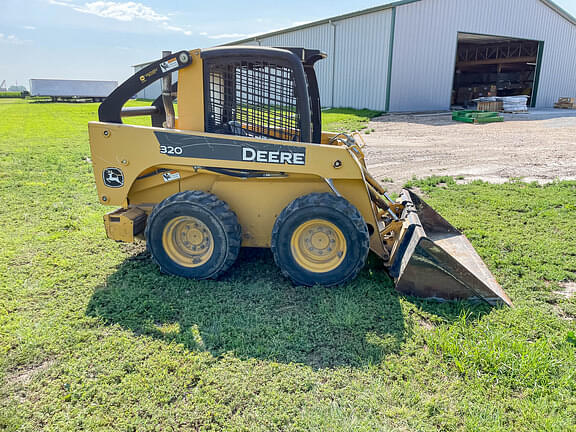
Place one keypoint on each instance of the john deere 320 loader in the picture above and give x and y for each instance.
(246, 164)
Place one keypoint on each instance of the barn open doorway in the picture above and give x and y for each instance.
(495, 66)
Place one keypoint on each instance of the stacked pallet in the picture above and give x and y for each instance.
(509, 104)
(514, 104)
(490, 106)
(566, 103)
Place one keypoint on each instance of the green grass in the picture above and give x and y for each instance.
(10, 94)
(333, 119)
(93, 337)
(346, 119)
(428, 183)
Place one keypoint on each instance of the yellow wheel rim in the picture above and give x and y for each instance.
(188, 241)
(318, 246)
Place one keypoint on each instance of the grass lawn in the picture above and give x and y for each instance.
(10, 94)
(92, 337)
(346, 119)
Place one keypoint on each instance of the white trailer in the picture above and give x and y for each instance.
(77, 89)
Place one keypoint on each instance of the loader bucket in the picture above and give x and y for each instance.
(435, 260)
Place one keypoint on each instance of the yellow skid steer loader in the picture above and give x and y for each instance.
(246, 164)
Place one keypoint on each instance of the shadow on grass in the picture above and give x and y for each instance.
(254, 312)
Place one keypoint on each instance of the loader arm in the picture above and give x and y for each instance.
(110, 111)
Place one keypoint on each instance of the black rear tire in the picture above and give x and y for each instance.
(320, 239)
(193, 234)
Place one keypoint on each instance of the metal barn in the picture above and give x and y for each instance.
(425, 55)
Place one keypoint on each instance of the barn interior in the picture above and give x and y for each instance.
(494, 66)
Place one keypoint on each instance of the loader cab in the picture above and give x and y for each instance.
(246, 91)
(262, 92)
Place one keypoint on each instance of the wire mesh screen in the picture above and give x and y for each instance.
(256, 99)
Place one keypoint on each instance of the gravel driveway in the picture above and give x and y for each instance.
(538, 146)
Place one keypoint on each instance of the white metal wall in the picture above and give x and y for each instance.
(426, 39)
(355, 73)
(362, 57)
(319, 37)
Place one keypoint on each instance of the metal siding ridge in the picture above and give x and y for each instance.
(333, 75)
(561, 11)
(390, 60)
(534, 97)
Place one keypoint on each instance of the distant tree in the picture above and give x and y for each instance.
(16, 88)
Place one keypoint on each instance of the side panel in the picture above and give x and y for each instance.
(131, 164)
(258, 202)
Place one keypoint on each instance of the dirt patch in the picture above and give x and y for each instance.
(568, 290)
(22, 377)
(425, 323)
(533, 147)
(135, 251)
(561, 314)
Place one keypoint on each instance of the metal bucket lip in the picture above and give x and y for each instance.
(419, 239)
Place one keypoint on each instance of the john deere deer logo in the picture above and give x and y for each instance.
(113, 177)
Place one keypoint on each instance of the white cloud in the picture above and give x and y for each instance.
(176, 29)
(60, 3)
(29, 27)
(299, 23)
(246, 35)
(237, 35)
(127, 11)
(226, 36)
(10, 39)
(123, 11)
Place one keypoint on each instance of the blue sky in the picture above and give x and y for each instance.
(94, 39)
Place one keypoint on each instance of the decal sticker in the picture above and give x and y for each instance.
(203, 147)
(113, 177)
(170, 176)
(250, 154)
(147, 75)
(168, 65)
(171, 150)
